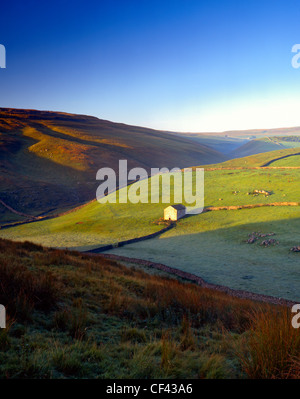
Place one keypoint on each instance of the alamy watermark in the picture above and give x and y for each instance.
(296, 57)
(2, 317)
(2, 56)
(165, 186)
(296, 318)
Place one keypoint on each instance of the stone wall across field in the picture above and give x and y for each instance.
(208, 209)
(236, 207)
(131, 241)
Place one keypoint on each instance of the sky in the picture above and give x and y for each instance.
(181, 65)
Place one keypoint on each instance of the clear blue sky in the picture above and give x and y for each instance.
(182, 65)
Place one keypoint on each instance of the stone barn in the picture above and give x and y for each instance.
(174, 212)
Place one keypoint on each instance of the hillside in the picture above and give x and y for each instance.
(96, 224)
(239, 144)
(230, 187)
(77, 316)
(49, 160)
(287, 162)
(236, 138)
(256, 160)
(191, 244)
(256, 147)
(217, 142)
(265, 145)
(261, 133)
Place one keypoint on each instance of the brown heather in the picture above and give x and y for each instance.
(78, 315)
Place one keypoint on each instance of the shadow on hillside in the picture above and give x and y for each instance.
(223, 256)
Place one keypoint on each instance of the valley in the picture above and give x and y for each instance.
(207, 281)
(234, 209)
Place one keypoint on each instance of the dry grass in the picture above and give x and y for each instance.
(104, 319)
(22, 288)
(272, 349)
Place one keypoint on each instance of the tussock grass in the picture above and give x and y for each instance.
(23, 289)
(272, 349)
(102, 319)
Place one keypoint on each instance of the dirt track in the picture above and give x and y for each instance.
(202, 283)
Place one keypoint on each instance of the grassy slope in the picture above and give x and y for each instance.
(98, 224)
(192, 244)
(262, 145)
(213, 246)
(75, 316)
(255, 147)
(293, 161)
(49, 160)
(92, 226)
(195, 238)
(256, 160)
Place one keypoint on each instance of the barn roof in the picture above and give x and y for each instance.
(179, 207)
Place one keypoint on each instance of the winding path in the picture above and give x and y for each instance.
(202, 283)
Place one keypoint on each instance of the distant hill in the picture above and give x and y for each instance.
(266, 144)
(49, 160)
(242, 143)
(259, 133)
(217, 142)
(256, 147)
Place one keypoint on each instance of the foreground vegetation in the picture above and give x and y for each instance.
(75, 316)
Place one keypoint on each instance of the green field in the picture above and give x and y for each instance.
(93, 226)
(256, 160)
(49, 160)
(100, 224)
(293, 161)
(213, 245)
